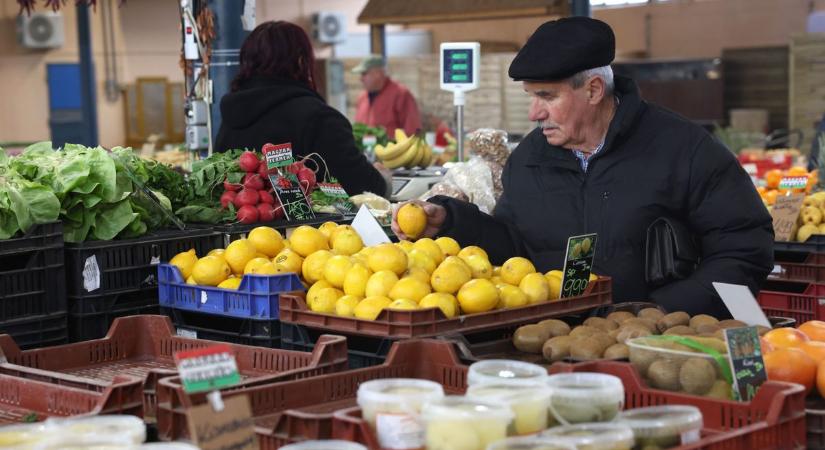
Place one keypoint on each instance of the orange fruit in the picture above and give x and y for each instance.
(761, 190)
(791, 365)
(770, 196)
(820, 378)
(772, 178)
(796, 171)
(785, 337)
(814, 349)
(766, 346)
(814, 329)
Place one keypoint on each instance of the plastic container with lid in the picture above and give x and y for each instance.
(392, 407)
(529, 403)
(461, 423)
(660, 360)
(593, 436)
(505, 371)
(22, 436)
(660, 427)
(529, 443)
(168, 446)
(324, 445)
(114, 429)
(582, 397)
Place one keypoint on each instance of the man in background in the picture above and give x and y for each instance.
(384, 102)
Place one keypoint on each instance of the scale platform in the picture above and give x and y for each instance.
(408, 184)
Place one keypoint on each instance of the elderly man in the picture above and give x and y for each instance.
(384, 102)
(602, 160)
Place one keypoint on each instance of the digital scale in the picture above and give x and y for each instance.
(411, 184)
(459, 64)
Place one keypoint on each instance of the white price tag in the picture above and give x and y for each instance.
(91, 274)
(191, 334)
(204, 297)
(155, 261)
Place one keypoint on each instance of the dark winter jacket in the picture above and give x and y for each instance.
(279, 111)
(654, 163)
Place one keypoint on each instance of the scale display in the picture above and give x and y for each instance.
(458, 66)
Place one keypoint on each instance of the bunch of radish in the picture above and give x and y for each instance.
(254, 198)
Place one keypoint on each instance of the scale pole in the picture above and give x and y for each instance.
(458, 101)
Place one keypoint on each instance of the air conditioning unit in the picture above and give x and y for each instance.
(40, 30)
(329, 27)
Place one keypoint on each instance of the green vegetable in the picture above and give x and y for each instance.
(359, 130)
(23, 203)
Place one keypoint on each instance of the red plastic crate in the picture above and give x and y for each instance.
(774, 420)
(804, 267)
(802, 301)
(27, 393)
(431, 322)
(303, 409)
(144, 347)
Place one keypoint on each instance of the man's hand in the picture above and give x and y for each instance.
(436, 214)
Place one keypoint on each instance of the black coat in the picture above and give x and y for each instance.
(654, 163)
(279, 111)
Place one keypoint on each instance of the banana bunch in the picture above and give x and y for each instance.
(407, 151)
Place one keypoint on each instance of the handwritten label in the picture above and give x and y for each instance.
(278, 156)
(336, 191)
(746, 361)
(292, 198)
(785, 213)
(793, 182)
(578, 261)
(207, 369)
(91, 274)
(230, 428)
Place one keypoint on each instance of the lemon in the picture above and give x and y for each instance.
(536, 287)
(238, 253)
(412, 220)
(306, 240)
(325, 299)
(210, 271)
(347, 242)
(512, 297)
(191, 280)
(449, 277)
(313, 290)
(355, 282)
(477, 296)
(339, 229)
(431, 248)
(288, 261)
(327, 228)
(388, 257)
(403, 304)
(335, 270)
(448, 245)
(345, 306)
(419, 259)
(496, 271)
(185, 261)
(514, 269)
(266, 240)
(554, 280)
(445, 302)
(360, 258)
(466, 252)
(254, 264)
(380, 283)
(593, 277)
(370, 307)
(313, 266)
(216, 252)
(480, 267)
(267, 269)
(261, 255)
(417, 272)
(230, 283)
(410, 288)
(287, 244)
(405, 245)
(497, 280)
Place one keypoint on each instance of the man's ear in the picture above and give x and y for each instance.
(596, 88)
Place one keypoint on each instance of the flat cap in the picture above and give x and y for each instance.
(562, 48)
(368, 63)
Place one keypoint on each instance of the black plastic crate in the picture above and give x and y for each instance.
(236, 231)
(84, 327)
(37, 331)
(259, 333)
(32, 274)
(130, 264)
(815, 243)
(364, 351)
(90, 317)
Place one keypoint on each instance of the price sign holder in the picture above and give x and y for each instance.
(293, 200)
(578, 262)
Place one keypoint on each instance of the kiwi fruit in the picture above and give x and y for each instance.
(673, 319)
(702, 319)
(555, 327)
(642, 359)
(601, 323)
(680, 330)
(584, 330)
(664, 374)
(557, 348)
(720, 390)
(714, 343)
(646, 323)
(586, 349)
(731, 323)
(697, 376)
(630, 332)
(651, 313)
(617, 351)
(620, 316)
(614, 334)
(706, 328)
(530, 338)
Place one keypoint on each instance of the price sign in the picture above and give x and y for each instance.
(793, 182)
(578, 262)
(278, 156)
(746, 363)
(292, 198)
(335, 190)
(207, 368)
(785, 213)
(228, 427)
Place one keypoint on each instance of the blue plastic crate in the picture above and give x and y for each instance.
(257, 296)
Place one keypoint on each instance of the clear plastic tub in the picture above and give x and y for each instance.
(583, 397)
(115, 429)
(505, 371)
(22, 436)
(660, 427)
(529, 443)
(324, 445)
(169, 446)
(529, 404)
(593, 436)
(665, 364)
(392, 407)
(460, 423)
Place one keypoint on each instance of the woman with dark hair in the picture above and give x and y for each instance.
(274, 100)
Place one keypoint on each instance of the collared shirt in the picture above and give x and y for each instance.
(584, 157)
(392, 107)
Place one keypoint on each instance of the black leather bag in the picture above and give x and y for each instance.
(671, 252)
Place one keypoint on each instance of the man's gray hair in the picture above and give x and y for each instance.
(604, 72)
